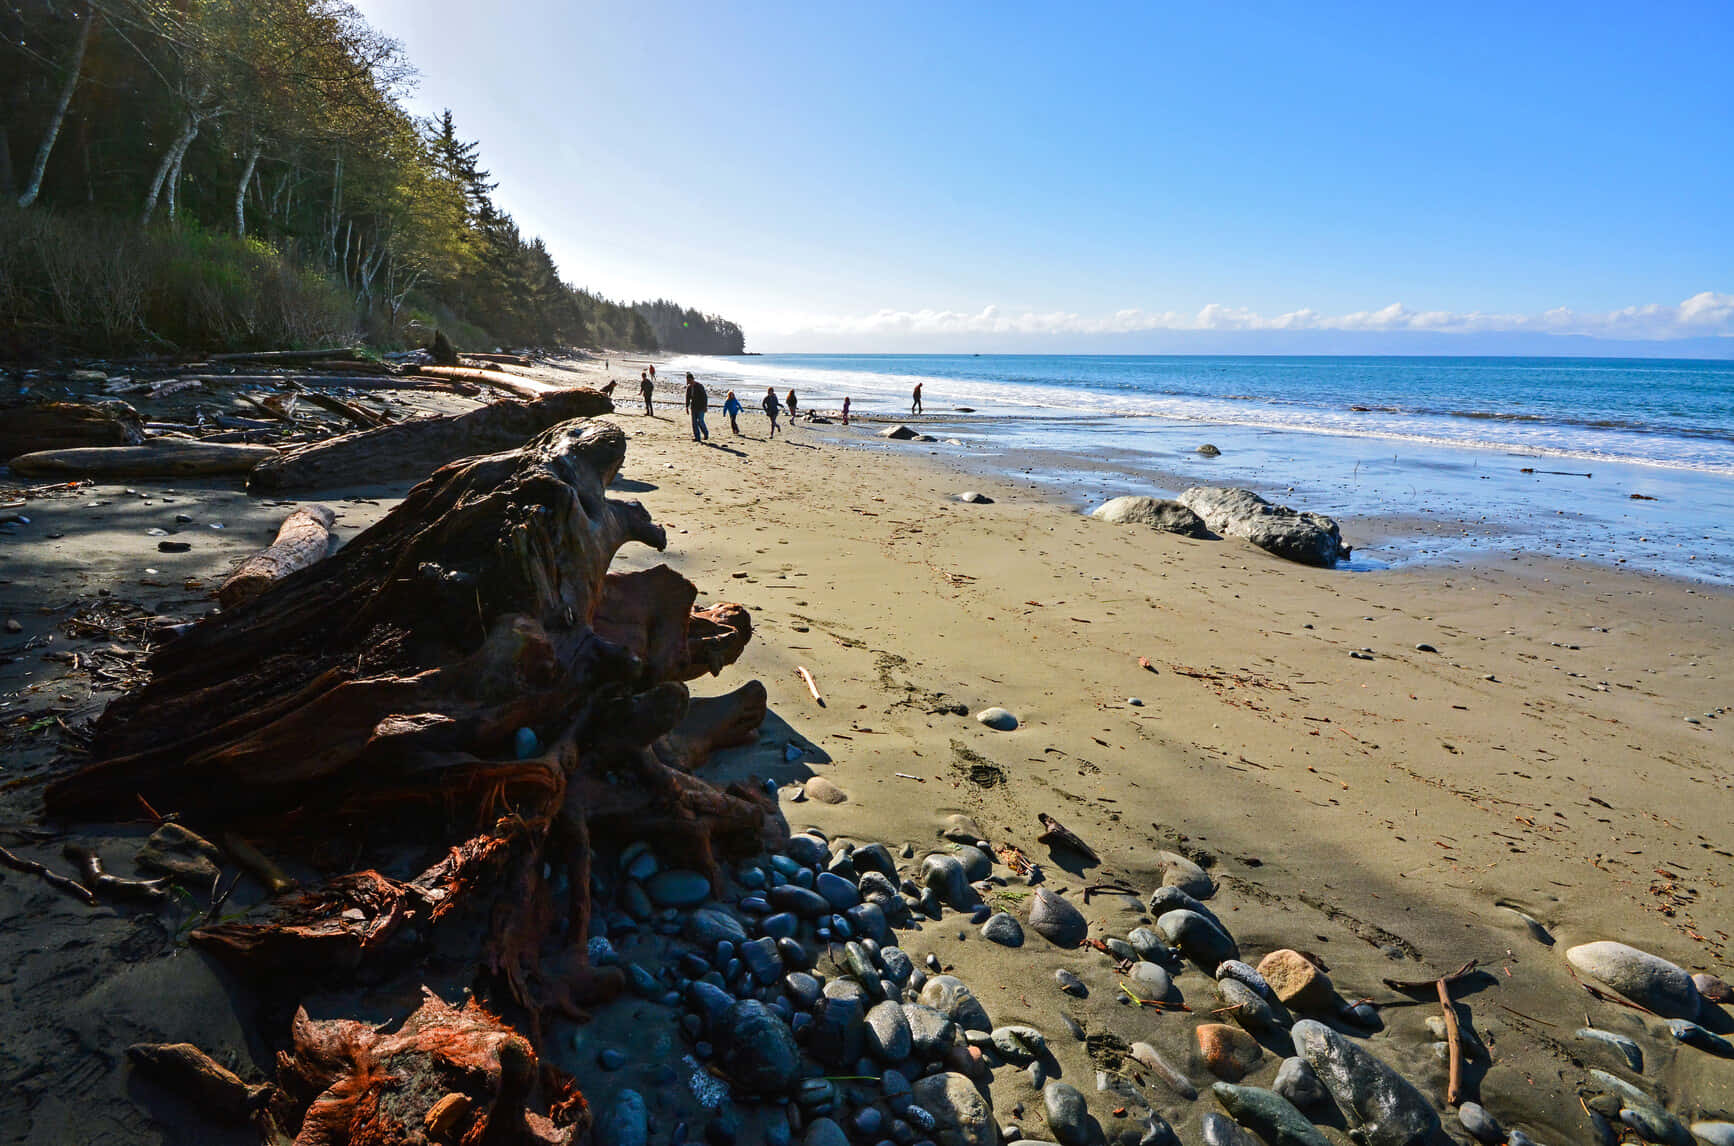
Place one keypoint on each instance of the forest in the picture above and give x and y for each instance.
(235, 174)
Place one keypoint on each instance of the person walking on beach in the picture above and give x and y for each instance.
(732, 407)
(647, 388)
(697, 402)
(772, 407)
(915, 403)
(791, 402)
(845, 411)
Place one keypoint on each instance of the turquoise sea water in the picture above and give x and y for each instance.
(1443, 441)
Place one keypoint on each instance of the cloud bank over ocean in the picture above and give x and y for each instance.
(1708, 314)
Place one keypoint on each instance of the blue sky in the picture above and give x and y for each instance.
(1114, 177)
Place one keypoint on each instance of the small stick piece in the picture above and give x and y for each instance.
(1454, 1085)
(1058, 832)
(90, 874)
(1462, 972)
(54, 879)
(257, 865)
(811, 687)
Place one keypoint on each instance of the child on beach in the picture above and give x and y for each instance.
(697, 401)
(732, 407)
(647, 388)
(791, 401)
(915, 404)
(845, 411)
(772, 406)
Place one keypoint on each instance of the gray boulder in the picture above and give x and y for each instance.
(1156, 512)
(963, 1113)
(757, 1050)
(1641, 977)
(1056, 920)
(1309, 538)
(1385, 1106)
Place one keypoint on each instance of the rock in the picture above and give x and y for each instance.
(1199, 939)
(973, 497)
(930, 1031)
(1166, 899)
(677, 888)
(1148, 1057)
(1694, 1035)
(1019, 1045)
(756, 1049)
(807, 850)
(1712, 990)
(1068, 1115)
(1069, 983)
(1269, 1115)
(1182, 873)
(962, 1114)
(626, 1122)
(977, 864)
(838, 892)
(997, 719)
(948, 995)
(709, 926)
(820, 789)
(1309, 538)
(1645, 979)
(1482, 1126)
(1209, 451)
(804, 990)
(1155, 512)
(1297, 981)
(896, 964)
(1148, 945)
(1149, 981)
(1624, 1047)
(1244, 973)
(1056, 920)
(1372, 1096)
(945, 874)
(1219, 1131)
(839, 1024)
(1251, 1010)
(800, 900)
(887, 1036)
(900, 433)
(960, 829)
(824, 1132)
(1715, 1133)
(1296, 1082)
(1229, 1052)
(1004, 930)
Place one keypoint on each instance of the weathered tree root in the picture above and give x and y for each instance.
(464, 671)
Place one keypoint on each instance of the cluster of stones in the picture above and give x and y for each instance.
(800, 996)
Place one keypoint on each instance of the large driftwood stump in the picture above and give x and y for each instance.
(409, 449)
(464, 677)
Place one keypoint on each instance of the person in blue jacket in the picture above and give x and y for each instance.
(732, 407)
(772, 408)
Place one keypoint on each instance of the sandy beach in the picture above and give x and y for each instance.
(1559, 752)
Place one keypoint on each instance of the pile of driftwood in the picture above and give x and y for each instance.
(464, 681)
(108, 438)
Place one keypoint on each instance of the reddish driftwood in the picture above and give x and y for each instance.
(409, 450)
(303, 540)
(465, 672)
(67, 425)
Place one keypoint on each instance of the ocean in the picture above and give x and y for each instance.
(1428, 458)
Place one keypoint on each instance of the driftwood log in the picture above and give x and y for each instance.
(502, 379)
(164, 457)
(26, 429)
(407, 449)
(463, 682)
(304, 538)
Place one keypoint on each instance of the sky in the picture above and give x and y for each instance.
(1116, 177)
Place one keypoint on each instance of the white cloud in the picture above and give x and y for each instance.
(1709, 313)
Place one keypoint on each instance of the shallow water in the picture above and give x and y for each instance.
(1432, 470)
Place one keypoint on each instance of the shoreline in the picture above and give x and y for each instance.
(1392, 815)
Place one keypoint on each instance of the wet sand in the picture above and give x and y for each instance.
(1376, 812)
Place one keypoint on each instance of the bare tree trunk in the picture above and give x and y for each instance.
(241, 192)
(174, 183)
(171, 159)
(5, 162)
(52, 132)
